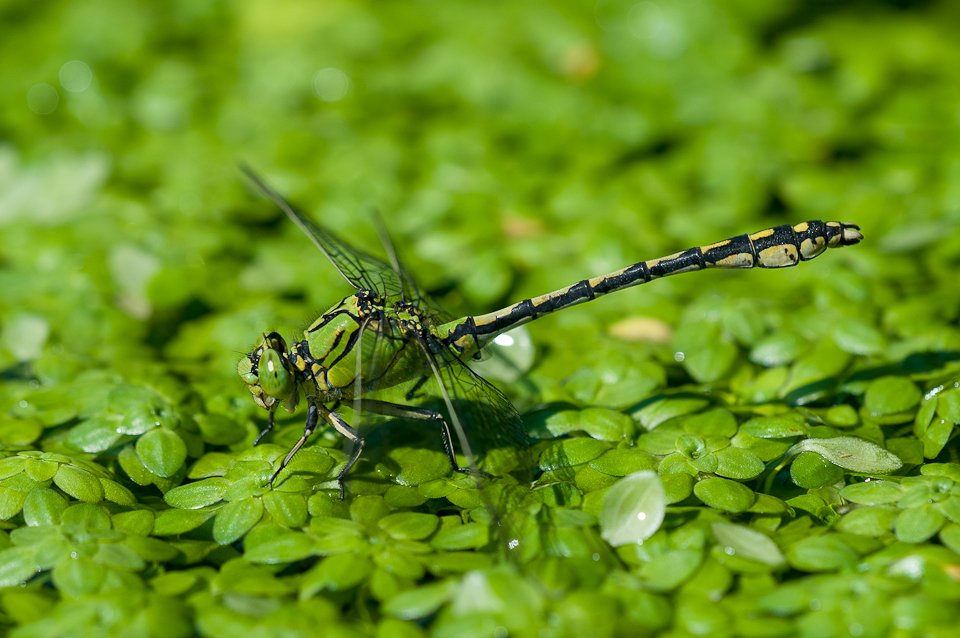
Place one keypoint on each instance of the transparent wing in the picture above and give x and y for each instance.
(361, 270)
(484, 420)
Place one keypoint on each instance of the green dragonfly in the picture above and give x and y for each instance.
(389, 340)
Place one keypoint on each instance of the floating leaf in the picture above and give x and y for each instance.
(821, 554)
(724, 494)
(335, 573)
(161, 451)
(79, 484)
(920, 523)
(851, 453)
(236, 519)
(873, 492)
(197, 494)
(748, 543)
(633, 509)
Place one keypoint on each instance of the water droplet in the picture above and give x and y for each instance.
(678, 357)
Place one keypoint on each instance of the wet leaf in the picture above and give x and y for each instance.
(851, 453)
(161, 451)
(724, 494)
(745, 542)
(236, 519)
(633, 509)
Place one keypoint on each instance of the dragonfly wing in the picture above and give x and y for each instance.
(485, 422)
(361, 270)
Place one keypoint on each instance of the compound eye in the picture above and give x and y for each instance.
(274, 377)
(245, 370)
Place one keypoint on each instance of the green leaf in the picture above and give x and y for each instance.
(86, 516)
(633, 509)
(745, 542)
(821, 554)
(570, 452)
(151, 550)
(936, 436)
(857, 336)
(173, 522)
(79, 484)
(775, 427)
(871, 521)
(851, 453)
(17, 565)
(116, 493)
(420, 602)
(677, 487)
(653, 411)
(469, 536)
(607, 425)
(286, 509)
(134, 468)
(78, 577)
(96, 435)
(920, 523)
(948, 405)
(336, 573)
(891, 395)
(161, 451)
(133, 523)
(950, 536)
(197, 494)
(873, 492)
(409, 525)
(11, 502)
(119, 557)
(217, 429)
(43, 507)
(811, 471)
(419, 466)
(724, 494)
(236, 519)
(19, 432)
(737, 463)
(286, 548)
(11, 466)
(668, 571)
(621, 462)
(778, 349)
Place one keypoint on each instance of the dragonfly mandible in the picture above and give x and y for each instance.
(389, 335)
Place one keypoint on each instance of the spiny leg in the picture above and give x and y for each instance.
(422, 414)
(265, 430)
(352, 434)
(313, 416)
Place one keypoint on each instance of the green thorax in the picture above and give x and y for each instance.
(383, 333)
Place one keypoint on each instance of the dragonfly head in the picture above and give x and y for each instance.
(268, 372)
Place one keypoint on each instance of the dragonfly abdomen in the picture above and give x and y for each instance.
(778, 247)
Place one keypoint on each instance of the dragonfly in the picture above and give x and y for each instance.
(388, 335)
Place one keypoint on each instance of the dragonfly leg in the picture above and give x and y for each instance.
(263, 432)
(422, 414)
(352, 434)
(313, 416)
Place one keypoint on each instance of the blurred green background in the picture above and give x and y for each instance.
(512, 148)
